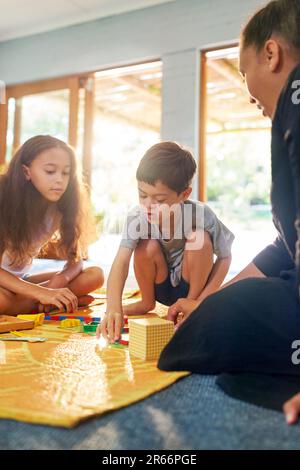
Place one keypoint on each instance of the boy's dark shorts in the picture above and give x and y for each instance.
(167, 294)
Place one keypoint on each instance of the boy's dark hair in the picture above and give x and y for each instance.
(169, 163)
(281, 17)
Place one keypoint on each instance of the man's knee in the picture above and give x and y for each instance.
(217, 337)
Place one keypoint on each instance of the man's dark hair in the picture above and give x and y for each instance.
(169, 163)
(279, 17)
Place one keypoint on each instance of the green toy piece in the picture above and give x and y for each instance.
(117, 345)
(91, 328)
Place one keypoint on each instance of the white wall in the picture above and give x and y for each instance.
(174, 32)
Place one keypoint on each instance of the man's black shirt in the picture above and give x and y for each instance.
(285, 190)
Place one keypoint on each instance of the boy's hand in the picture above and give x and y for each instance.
(184, 307)
(111, 326)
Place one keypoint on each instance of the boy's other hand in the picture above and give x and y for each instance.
(111, 327)
(184, 307)
(291, 409)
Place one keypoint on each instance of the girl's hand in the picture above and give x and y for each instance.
(61, 298)
(111, 327)
(184, 307)
(291, 409)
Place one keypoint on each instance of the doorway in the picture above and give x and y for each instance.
(235, 160)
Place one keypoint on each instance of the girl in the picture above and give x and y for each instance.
(42, 201)
(252, 325)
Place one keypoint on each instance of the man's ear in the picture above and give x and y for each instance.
(272, 51)
(26, 172)
(186, 193)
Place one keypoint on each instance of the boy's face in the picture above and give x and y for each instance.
(154, 197)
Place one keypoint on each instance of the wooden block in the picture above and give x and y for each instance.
(148, 337)
(8, 323)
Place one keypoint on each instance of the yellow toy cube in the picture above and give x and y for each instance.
(70, 322)
(148, 337)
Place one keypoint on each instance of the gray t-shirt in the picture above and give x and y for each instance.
(190, 216)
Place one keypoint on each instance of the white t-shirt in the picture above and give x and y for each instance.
(194, 215)
(48, 228)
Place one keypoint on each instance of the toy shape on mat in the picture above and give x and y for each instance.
(38, 318)
(117, 345)
(70, 323)
(91, 327)
(148, 337)
(22, 336)
(29, 339)
(124, 339)
(78, 317)
(9, 323)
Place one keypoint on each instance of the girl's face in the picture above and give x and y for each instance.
(49, 173)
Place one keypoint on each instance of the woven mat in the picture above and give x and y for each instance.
(72, 376)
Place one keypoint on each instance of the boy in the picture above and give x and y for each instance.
(173, 240)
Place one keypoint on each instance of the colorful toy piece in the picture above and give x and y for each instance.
(148, 337)
(52, 317)
(124, 339)
(64, 317)
(38, 318)
(70, 323)
(117, 345)
(91, 327)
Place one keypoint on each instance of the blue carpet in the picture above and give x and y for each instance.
(191, 414)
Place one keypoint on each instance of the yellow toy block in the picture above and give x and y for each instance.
(38, 318)
(70, 322)
(148, 337)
